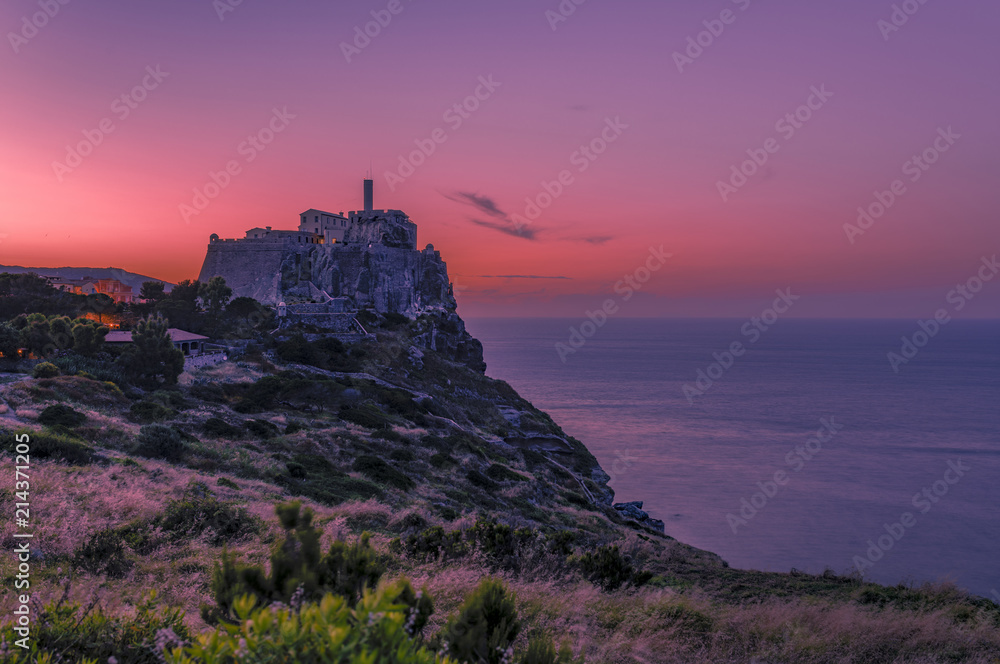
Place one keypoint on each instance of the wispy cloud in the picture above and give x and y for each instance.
(594, 239)
(521, 276)
(484, 204)
(508, 228)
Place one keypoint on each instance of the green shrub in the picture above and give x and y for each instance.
(228, 483)
(63, 632)
(218, 427)
(294, 427)
(434, 543)
(476, 478)
(262, 429)
(297, 567)
(541, 650)
(148, 412)
(104, 553)
(192, 516)
(378, 470)
(442, 459)
(314, 476)
(502, 473)
(379, 628)
(53, 445)
(498, 540)
(610, 570)
(97, 369)
(485, 627)
(402, 455)
(366, 415)
(45, 370)
(61, 415)
(157, 441)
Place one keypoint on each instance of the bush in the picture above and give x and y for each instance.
(45, 370)
(367, 415)
(435, 543)
(61, 415)
(69, 632)
(502, 473)
(104, 553)
(262, 429)
(218, 427)
(379, 471)
(99, 369)
(541, 650)
(52, 445)
(157, 441)
(191, 516)
(485, 627)
(610, 570)
(476, 478)
(297, 568)
(379, 628)
(228, 483)
(441, 460)
(148, 412)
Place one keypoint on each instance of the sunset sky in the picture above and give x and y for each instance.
(554, 85)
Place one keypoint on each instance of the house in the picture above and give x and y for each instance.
(120, 292)
(190, 343)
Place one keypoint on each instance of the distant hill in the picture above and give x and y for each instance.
(130, 278)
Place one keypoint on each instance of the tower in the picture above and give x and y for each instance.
(369, 195)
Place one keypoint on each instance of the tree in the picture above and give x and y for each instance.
(99, 304)
(215, 294)
(10, 340)
(88, 337)
(485, 627)
(152, 357)
(28, 293)
(152, 291)
(181, 306)
(186, 291)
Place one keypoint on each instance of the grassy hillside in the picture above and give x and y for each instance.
(454, 476)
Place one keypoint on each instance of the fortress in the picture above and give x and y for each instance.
(336, 263)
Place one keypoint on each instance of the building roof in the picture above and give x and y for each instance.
(176, 336)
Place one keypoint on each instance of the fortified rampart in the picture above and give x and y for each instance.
(369, 258)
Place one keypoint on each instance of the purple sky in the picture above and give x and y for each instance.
(657, 182)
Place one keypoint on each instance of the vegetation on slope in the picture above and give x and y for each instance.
(412, 466)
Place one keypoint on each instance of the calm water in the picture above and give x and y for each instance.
(693, 464)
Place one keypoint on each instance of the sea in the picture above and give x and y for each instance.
(812, 449)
